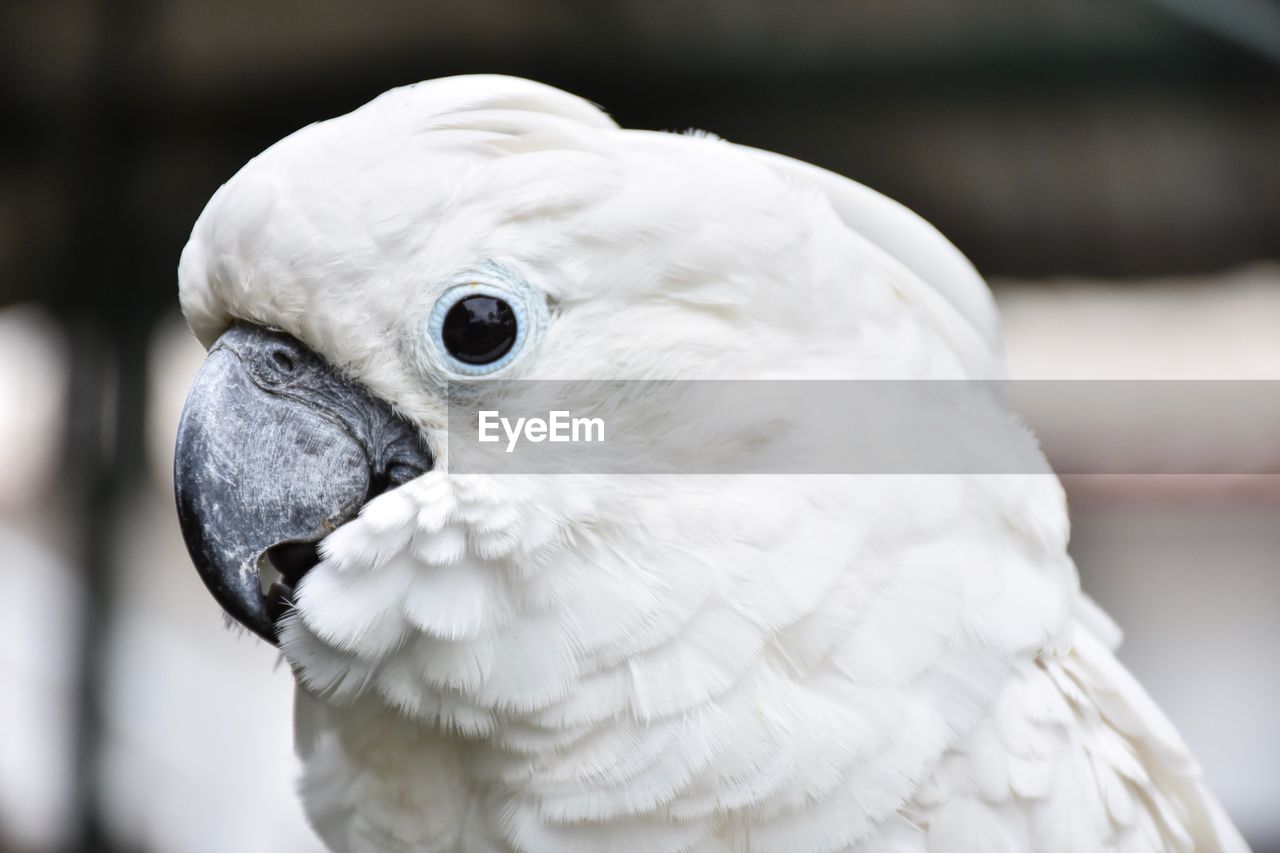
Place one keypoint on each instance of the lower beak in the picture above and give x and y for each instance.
(276, 450)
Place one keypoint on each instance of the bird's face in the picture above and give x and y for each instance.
(352, 274)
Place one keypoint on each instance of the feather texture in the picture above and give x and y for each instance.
(660, 664)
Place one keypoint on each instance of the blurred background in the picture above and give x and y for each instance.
(1113, 166)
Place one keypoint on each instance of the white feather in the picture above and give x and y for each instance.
(894, 664)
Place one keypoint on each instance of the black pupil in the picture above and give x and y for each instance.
(479, 329)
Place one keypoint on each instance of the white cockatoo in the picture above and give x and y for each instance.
(639, 664)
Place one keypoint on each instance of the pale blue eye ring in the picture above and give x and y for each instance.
(483, 321)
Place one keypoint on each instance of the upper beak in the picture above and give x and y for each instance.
(275, 450)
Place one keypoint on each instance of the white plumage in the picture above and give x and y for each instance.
(791, 664)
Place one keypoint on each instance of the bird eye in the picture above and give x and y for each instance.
(479, 329)
(481, 323)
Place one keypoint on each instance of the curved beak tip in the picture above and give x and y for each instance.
(274, 450)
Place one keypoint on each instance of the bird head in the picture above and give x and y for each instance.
(471, 229)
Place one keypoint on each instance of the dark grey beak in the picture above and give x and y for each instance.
(276, 450)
